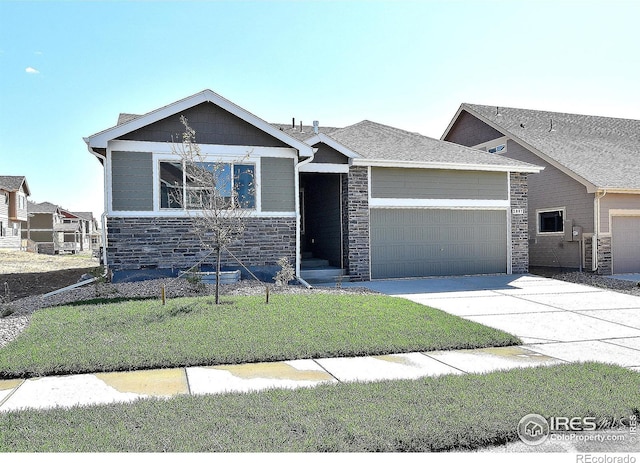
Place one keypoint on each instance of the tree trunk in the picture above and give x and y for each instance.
(218, 253)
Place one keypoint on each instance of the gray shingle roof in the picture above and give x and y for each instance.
(12, 182)
(41, 208)
(307, 130)
(380, 142)
(604, 151)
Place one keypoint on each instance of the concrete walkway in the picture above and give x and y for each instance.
(558, 322)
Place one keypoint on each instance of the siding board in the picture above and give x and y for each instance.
(437, 184)
(277, 185)
(131, 181)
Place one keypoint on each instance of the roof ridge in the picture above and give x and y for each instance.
(545, 111)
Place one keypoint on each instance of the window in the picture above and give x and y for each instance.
(195, 185)
(500, 149)
(1, 229)
(551, 221)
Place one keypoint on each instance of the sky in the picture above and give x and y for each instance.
(68, 68)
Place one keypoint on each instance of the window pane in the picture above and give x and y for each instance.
(170, 185)
(244, 185)
(551, 222)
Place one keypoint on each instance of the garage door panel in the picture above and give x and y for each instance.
(625, 244)
(429, 242)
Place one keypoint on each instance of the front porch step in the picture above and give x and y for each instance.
(313, 263)
(324, 275)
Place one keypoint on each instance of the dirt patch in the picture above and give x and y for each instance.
(32, 284)
(29, 274)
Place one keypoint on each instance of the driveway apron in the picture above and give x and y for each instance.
(562, 320)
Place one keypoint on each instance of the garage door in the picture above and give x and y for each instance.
(430, 242)
(625, 244)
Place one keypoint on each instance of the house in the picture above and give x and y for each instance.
(371, 200)
(14, 192)
(584, 208)
(56, 230)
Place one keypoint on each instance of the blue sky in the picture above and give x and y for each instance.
(67, 68)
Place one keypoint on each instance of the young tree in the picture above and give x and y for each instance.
(217, 195)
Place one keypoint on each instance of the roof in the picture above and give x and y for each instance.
(303, 133)
(42, 208)
(602, 152)
(12, 183)
(130, 122)
(379, 144)
(84, 215)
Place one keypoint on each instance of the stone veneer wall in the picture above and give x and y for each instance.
(604, 256)
(356, 186)
(519, 223)
(169, 243)
(588, 253)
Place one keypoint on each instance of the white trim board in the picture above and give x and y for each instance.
(389, 203)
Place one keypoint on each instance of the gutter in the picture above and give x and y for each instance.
(297, 205)
(596, 228)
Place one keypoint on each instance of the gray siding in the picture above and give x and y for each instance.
(328, 155)
(41, 221)
(469, 131)
(437, 184)
(550, 189)
(213, 125)
(277, 185)
(616, 201)
(131, 181)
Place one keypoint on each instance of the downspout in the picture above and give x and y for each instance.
(297, 203)
(596, 228)
(103, 216)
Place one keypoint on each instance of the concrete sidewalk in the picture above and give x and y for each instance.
(558, 322)
(102, 388)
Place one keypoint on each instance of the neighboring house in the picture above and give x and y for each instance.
(584, 208)
(371, 200)
(56, 230)
(14, 192)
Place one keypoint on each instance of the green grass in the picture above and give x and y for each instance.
(193, 331)
(452, 412)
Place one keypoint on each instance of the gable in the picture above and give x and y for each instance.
(328, 155)
(468, 130)
(212, 124)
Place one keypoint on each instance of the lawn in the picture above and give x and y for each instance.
(453, 412)
(142, 334)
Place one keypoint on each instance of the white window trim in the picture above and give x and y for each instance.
(223, 158)
(550, 209)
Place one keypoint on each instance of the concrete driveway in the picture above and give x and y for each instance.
(566, 321)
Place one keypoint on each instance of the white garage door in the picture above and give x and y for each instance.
(434, 242)
(625, 244)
